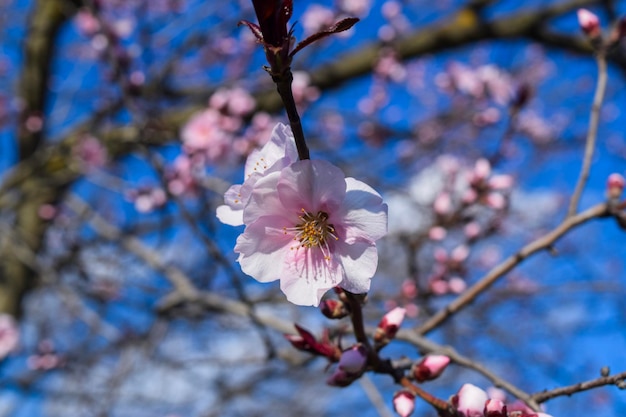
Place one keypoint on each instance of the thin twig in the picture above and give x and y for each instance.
(544, 396)
(492, 276)
(592, 134)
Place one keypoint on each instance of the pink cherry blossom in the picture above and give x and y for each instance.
(9, 335)
(208, 132)
(470, 401)
(278, 153)
(313, 229)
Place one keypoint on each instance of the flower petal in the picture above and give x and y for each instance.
(262, 248)
(231, 213)
(363, 211)
(308, 275)
(313, 185)
(359, 261)
(277, 153)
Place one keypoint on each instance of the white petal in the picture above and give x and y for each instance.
(262, 249)
(363, 211)
(312, 185)
(359, 261)
(228, 216)
(308, 275)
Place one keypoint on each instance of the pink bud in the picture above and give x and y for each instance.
(495, 408)
(470, 401)
(589, 23)
(442, 204)
(615, 185)
(437, 233)
(472, 230)
(457, 285)
(496, 201)
(389, 325)
(333, 309)
(460, 253)
(353, 360)
(482, 169)
(430, 367)
(404, 403)
(9, 335)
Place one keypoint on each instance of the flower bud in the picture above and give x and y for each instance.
(470, 401)
(353, 360)
(430, 367)
(495, 408)
(589, 23)
(340, 378)
(333, 309)
(389, 325)
(404, 403)
(615, 185)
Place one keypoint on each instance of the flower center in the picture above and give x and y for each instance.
(314, 231)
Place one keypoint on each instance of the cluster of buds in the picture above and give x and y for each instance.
(590, 25)
(472, 401)
(448, 270)
(487, 189)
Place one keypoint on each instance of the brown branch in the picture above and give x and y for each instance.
(592, 134)
(616, 379)
(544, 242)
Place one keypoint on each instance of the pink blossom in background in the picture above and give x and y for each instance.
(357, 8)
(303, 91)
(86, 23)
(9, 335)
(495, 408)
(208, 133)
(147, 199)
(180, 176)
(235, 101)
(278, 153)
(316, 18)
(313, 229)
(90, 153)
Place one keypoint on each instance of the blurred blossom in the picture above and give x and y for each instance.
(147, 199)
(180, 177)
(9, 335)
(589, 23)
(357, 8)
(86, 23)
(316, 18)
(209, 133)
(236, 101)
(389, 67)
(90, 153)
(495, 408)
(303, 91)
